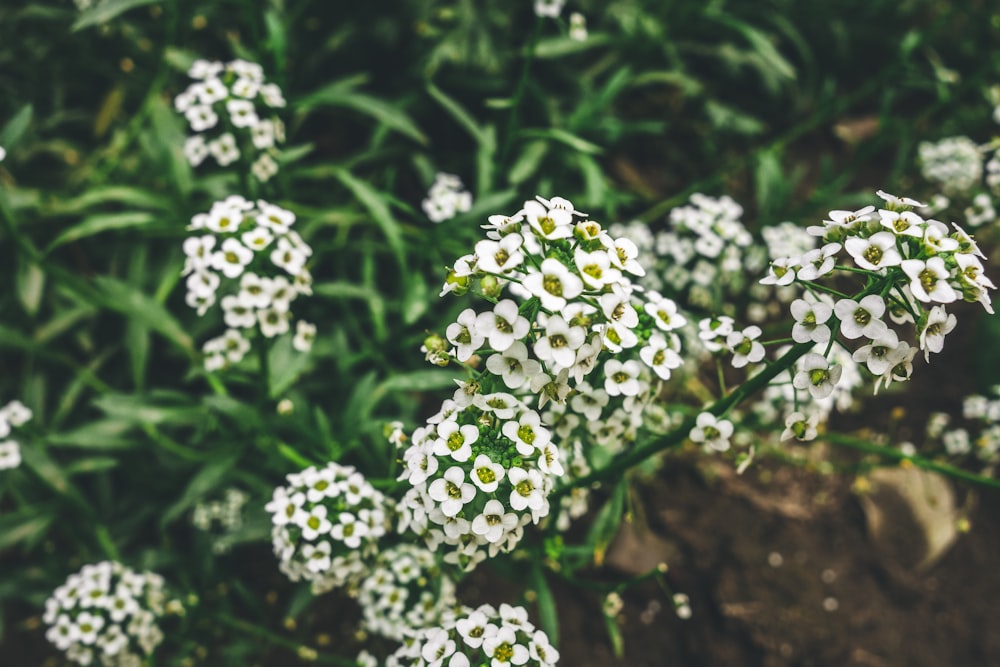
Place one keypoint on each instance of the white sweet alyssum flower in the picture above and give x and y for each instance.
(250, 254)
(486, 635)
(956, 163)
(237, 92)
(326, 524)
(712, 432)
(107, 614)
(446, 198)
(12, 415)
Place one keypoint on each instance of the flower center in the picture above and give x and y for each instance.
(526, 434)
(552, 285)
(862, 316)
(873, 254)
(503, 653)
(455, 441)
(486, 475)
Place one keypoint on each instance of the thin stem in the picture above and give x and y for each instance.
(919, 461)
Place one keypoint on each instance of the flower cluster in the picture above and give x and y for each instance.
(251, 254)
(979, 439)
(482, 467)
(227, 514)
(325, 523)
(446, 198)
(107, 611)
(915, 268)
(482, 636)
(12, 415)
(955, 163)
(404, 593)
(236, 94)
(707, 250)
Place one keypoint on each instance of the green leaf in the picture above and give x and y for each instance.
(547, 613)
(418, 381)
(102, 12)
(206, 480)
(24, 525)
(415, 300)
(557, 47)
(457, 112)
(607, 521)
(615, 635)
(16, 127)
(286, 365)
(103, 222)
(564, 137)
(112, 194)
(124, 299)
(332, 90)
(30, 285)
(139, 409)
(528, 162)
(379, 210)
(382, 111)
(100, 434)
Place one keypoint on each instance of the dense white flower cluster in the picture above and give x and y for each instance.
(232, 110)
(549, 8)
(917, 267)
(482, 636)
(707, 251)
(977, 440)
(446, 198)
(326, 522)
(106, 612)
(12, 415)
(955, 163)
(482, 467)
(405, 593)
(251, 255)
(225, 515)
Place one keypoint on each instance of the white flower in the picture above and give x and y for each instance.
(528, 487)
(288, 256)
(231, 257)
(237, 314)
(560, 342)
(502, 326)
(201, 117)
(486, 474)
(500, 256)
(799, 427)
(241, 113)
(541, 650)
(663, 311)
(622, 378)
(878, 354)
(195, 149)
(305, 334)
(905, 223)
(939, 324)
(455, 440)
(661, 355)
(494, 522)
(548, 223)
(624, 254)
(549, 9)
(553, 284)
(452, 491)
(712, 432)
(10, 454)
(527, 433)
(817, 375)
(224, 149)
(577, 27)
(746, 349)
(780, 272)
(513, 366)
(861, 318)
(273, 322)
(929, 280)
(595, 268)
(464, 334)
(892, 201)
(810, 321)
(262, 134)
(264, 168)
(876, 252)
(819, 262)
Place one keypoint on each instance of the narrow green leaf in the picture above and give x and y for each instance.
(22, 526)
(286, 365)
(418, 381)
(379, 210)
(125, 195)
(100, 434)
(102, 222)
(528, 162)
(206, 480)
(30, 286)
(457, 112)
(564, 137)
(382, 111)
(606, 523)
(102, 12)
(124, 299)
(16, 127)
(332, 90)
(557, 47)
(138, 409)
(547, 613)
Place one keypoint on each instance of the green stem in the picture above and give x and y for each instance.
(919, 461)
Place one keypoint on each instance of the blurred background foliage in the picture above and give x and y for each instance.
(792, 108)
